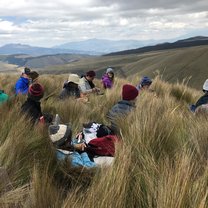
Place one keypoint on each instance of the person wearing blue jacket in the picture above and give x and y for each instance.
(22, 84)
(60, 136)
(144, 83)
(203, 100)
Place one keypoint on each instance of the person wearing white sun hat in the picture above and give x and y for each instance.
(70, 88)
(202, 101)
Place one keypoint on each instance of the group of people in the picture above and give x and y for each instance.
(84, 149)
(82, 87)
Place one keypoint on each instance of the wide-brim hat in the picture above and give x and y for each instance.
(73, 78)
(205, 86)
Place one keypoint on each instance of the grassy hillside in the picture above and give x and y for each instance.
(41, 61)
(4, 67)
(162, 161)
(172, 64)
(175, 65)
(190, 42)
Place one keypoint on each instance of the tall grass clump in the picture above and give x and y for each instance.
(161, 161)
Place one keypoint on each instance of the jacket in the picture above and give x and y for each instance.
(107, 81)
(22, 85)
(202, 100)
(32, 109)
(122, 108)
(85, 86)
(3, 97)
(69, 90)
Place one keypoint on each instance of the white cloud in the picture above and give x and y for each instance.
(49, 23)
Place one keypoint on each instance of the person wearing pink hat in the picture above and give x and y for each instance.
(123, 107)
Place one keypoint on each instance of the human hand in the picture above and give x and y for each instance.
(80, 147)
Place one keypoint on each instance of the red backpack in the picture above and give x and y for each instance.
(103, 146)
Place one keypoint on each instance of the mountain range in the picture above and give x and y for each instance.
(103, 46)
(10, 49)
(90, 47)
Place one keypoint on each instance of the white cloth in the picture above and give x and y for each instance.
(89, 136)
(104, 161)
(205, 86)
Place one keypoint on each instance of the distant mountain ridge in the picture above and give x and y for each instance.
(189, 42)
(104, 46)
(101, 47)
(10, 49)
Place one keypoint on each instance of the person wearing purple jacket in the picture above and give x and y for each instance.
(108, 79)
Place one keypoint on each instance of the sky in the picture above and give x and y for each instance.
(48, 23)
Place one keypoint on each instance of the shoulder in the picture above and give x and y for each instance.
(82, 80)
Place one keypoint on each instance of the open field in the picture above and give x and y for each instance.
(162, 161)
(174, 65)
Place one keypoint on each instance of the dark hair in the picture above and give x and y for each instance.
(112, 78)
(91, 74)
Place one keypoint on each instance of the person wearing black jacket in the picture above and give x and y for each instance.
(32, 106)
(70, 87)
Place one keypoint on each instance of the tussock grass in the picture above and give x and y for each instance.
(162, 161)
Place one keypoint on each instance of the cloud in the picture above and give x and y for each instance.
(36, 22)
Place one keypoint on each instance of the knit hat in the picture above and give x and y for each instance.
(33, 75)
(205, 86)
(59, 134)
(91, 74)
(26, 70)
(109, 70)
(145, 81)
(129, 92)
(73, 78)
(36, 91)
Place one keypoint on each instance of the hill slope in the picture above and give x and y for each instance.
(193, 41)
(174, 65)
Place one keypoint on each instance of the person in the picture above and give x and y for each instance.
(33, 76)
(108, 79)
(22, 84)
(32, 106)
(3, 97)
(70, 87)
(86, 84)
(202, 102)
(123, 107)
(144, 84)
(60, 136)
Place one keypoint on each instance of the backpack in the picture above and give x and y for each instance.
(103, 146)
